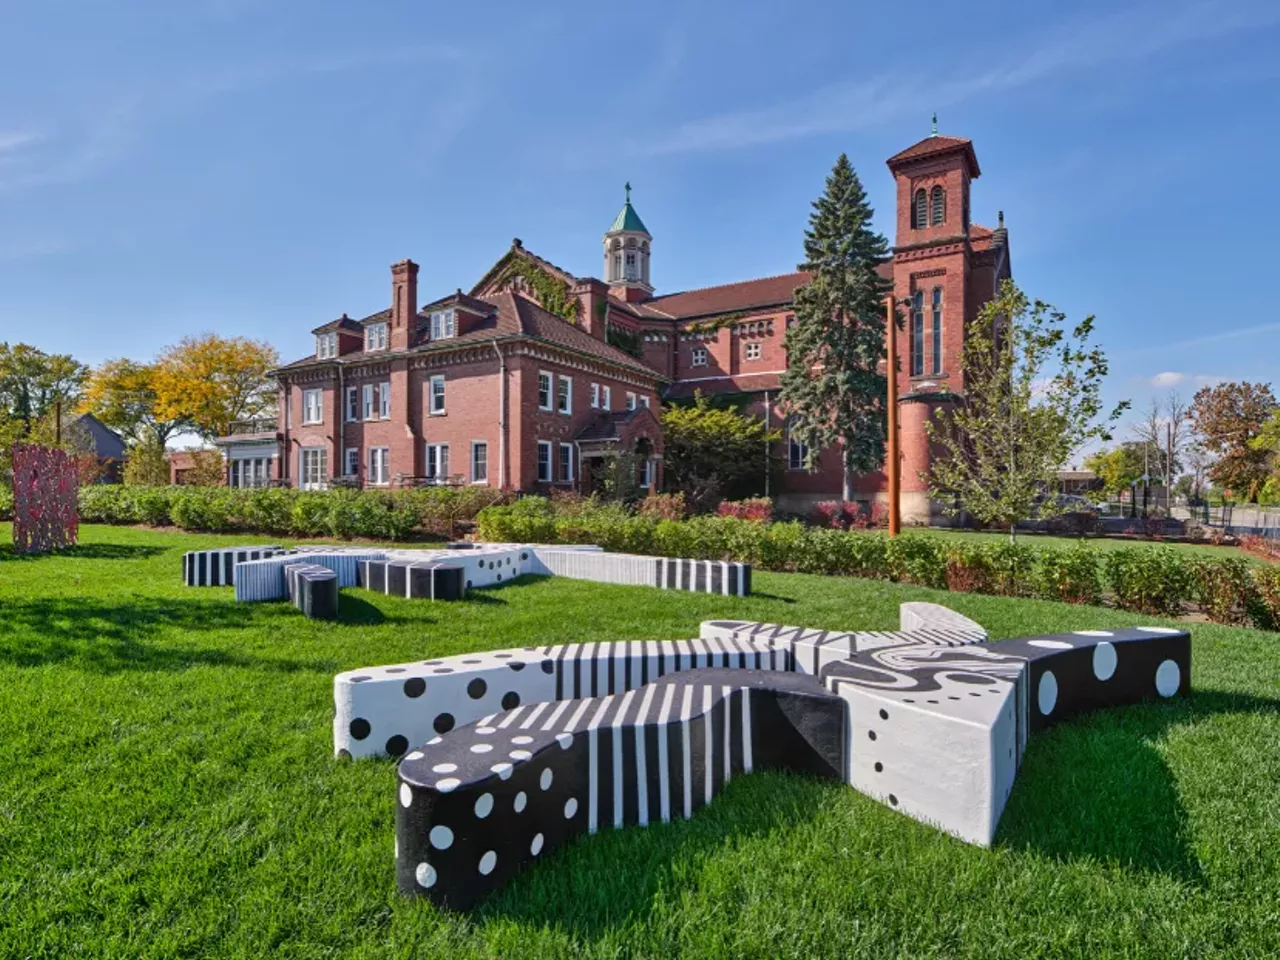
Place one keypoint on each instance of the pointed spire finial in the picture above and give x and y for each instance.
(628, 187)
(1002, 219)
(935, 124)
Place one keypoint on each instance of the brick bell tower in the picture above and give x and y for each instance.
(944, 269)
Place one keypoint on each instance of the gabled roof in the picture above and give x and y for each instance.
(518, 250)
(460, 299)
(937, 145)
(507, 315)
(712, 301)
(106, 442)
(343, 323)
(609, 425)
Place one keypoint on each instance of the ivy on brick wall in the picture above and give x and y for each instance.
(711, 326)
(553, 293)
(626, 340)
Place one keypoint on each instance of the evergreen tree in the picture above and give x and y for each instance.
(833, 391)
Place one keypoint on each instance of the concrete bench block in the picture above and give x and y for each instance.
(313, 589)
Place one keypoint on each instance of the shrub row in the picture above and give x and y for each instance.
(1148, 579)
(376, 514)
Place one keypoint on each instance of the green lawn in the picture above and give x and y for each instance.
(167, 790)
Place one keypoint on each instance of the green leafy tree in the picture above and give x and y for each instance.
(33, 382)
(832, 391)
(1033, 397)
(712, 453)
(146, 466)
(1118, 467)
(1230, 420)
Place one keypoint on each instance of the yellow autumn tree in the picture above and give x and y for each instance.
(210, 381)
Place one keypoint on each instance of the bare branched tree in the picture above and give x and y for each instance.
(1164, 433)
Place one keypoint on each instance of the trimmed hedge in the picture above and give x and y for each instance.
(373, 514)
(1149, 579)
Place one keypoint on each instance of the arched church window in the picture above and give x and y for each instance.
(917, 333)
(938, 205)
(937, 331)
(632, 273)
(617, 266)
(920, 210)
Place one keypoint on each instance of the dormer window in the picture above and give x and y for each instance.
(444, 324)
(326, 346)
(375, 336)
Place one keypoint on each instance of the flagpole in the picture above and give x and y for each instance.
(892, 462)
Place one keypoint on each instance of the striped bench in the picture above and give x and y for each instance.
(699, 576)
(216, 568)
(264, 579)
(313, 589)
(414, 579)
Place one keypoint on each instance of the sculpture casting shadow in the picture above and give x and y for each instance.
(85, 551)
(1125, 812)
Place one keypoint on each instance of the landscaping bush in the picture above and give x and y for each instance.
(663, 506)
(968, 569)
(6, 503)
(1222, 588)
(1149, 579)
(1070, 575)
(755, 509)
(1268, 548)
(1264, 598)
(916, 559)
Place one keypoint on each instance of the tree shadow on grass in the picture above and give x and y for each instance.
(1098, 788)
(84, 551)
(102, 637)
(354, 609)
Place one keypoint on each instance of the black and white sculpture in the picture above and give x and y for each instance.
(313, 589)
(415, 579)
(932, 721)
(216, 568)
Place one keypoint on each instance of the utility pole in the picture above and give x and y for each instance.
(57, 422)
(891, 453)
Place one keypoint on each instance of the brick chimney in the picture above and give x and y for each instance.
(592, 296)
(404, 304)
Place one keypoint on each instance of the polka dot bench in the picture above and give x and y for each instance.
(934, 729)
(313, 589)
(383, 710)
(484, 802)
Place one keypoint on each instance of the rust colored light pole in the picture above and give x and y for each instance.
(892, 461)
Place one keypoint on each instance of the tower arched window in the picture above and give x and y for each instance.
(937, 206)
(917, 332)
(617, 267)
(920, 210)
(936, 331)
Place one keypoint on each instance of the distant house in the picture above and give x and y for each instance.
(107, 445)
(180, 465)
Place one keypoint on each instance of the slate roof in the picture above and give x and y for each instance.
(509, 316)
(106, 442)
(711, 301)
(344, 323)
(606, 427)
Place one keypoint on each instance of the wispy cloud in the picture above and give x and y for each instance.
(14, 141)
(1169, 378)
(1128, 36)
(1258, 331)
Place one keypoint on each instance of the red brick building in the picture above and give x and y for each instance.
(527, 379)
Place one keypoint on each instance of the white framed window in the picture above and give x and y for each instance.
(379, 466)
(438, 462)
(595, 396)
(368, 401)
(698, 357)
(326, 346)
(606, 398)
(313, 406)
(444, 324)
(564, 395)
(644, 400)
(479, 461)
(251, 472)
(646, 474)
(384, 400)
(544, 390)
(352, 467)
(313, 468)
(437, 395)
(566, 463)
(751, 351)
(353, 404)
(375, 336)
(544, 461)
(936, 332)
(631, 400)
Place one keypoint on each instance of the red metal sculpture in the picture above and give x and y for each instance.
(45, 483)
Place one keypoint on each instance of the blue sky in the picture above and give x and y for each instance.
(253, 167)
